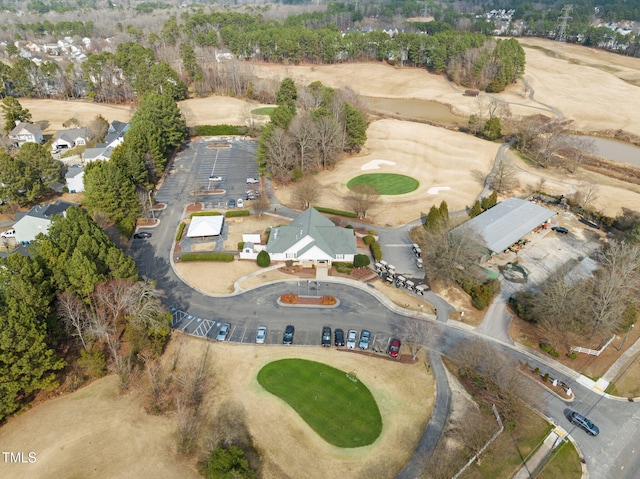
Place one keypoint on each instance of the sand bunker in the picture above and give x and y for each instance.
(437, 189)
(375, 164)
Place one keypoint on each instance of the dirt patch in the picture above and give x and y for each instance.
(253, 224)
(455, 296)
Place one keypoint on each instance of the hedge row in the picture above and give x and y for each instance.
(217, 130)
(206, 257)
(376, 251)
(180, 231)
(331, 211)
(547, 348)
(231, 214)
(205, 213)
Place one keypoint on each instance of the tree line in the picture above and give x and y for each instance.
(76, 297)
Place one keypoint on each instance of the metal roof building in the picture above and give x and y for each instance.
(507, 222)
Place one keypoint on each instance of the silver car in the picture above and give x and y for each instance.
(261, 335)
(224, 332)
(352, 339)
(365, 337)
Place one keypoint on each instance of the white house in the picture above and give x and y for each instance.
(26, 133)
(37, 220)
(71, 138)
(115, 133)
(75, 179)
(311, 239)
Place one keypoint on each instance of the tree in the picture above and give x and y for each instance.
(227, 463)
(586, 194)
(504, 176)
(40, 169)
(476, 209)
(355, 128)
(489, 201)
(98, 127)
(263, 259)
(74, 316)
(13, 112)
(362, 199)
(361, 260)
(416, 334)
(303, 134)
(306, 192)
(492, 129)
(287, 93)
(447, 254)
(434, 221)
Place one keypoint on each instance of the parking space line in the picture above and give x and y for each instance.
(192, 318)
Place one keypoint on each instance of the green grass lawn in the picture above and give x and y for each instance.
(386, 183)
(265, 110)
(343, 412)
(564, 462)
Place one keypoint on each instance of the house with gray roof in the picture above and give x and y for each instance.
(98, 153)
(71, 138)
(115, 133)
(26, 133)
(37, 220)
(311, 239)
(74, 179)
(506, 223)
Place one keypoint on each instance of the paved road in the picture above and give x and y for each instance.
(613, 453)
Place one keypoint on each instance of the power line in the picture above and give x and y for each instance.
(563, 19)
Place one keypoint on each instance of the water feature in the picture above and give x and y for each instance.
(415, 109)
(615, 150)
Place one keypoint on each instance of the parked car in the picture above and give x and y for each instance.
(338, 337)
(326, 336)
(253, 181)
(352, 339)
(584, 423)
(560, 229)
(287, 337)
(365, 337)
(240, 203)
(215, 178)
(224, 332)
(261, 335)
(394, 348)
(231, 203)
(142, 235)
(8, 234)
(55, 150)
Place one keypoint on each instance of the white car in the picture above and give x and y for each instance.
(253, 181)
(8, 234)
(215, 178)
(224, 332)
(240, 203)
(352, 339)
(261, 335)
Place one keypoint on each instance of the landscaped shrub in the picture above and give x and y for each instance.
(572, 355)
(368, 240)
(344, 268)
(376, 251)
(522, 305)
(349, 226)
(263, 259)
(217, 130)
(205, 213)
(331, 211)
(206, 257)
(228, 462)
(240, 245)
(231, 214)
(481, 293)
(372, 232)
(545, 378)
(547, 348)
(361, 260)
(180, 231)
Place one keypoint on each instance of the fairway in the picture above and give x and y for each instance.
(339, 408)
(386, 183)
(265, 110)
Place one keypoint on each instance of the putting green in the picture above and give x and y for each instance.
(335, 404)
(265, 110)
(386, 183)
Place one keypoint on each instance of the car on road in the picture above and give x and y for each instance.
(231, 203)
(287, 337)
(261, 335)
(240, 203)
(581, 421)
(142, 235)
(224, 332)
(560, 229)
(338, 337)
(253, 181)
(8, 234)
(365, 337)
(394, 348)
(326, 337)
(352, 339)
(215, 178)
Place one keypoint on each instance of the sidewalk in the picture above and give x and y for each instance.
(623, 360)
(536, 462)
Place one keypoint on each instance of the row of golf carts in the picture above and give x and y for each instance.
(388, 273)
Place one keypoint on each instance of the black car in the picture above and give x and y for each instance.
(326, 336)
(339, 337)
(142, 235)
(289, 331)
(584, 423)
(231, 203)
(560, 229)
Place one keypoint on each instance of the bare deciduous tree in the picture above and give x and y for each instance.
(75, 317)
(362, 199)
(586, 194)
(329, 141)
(416, 334)
(303, 133)
(306, 192)
(262, 203)
(504, 176)
(580, 147)
(281, 155)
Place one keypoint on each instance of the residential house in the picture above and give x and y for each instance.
(115, 133)
(98, 153)
(26, 133)
(71, 138)
(37, 220)
(311, 239)
(75, 179)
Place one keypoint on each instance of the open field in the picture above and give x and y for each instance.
(83, 434)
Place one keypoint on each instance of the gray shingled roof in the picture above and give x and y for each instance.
(30, 127)
(116, 130)
(325, 235)
(72, 134)
(47, 211)
(507, 222)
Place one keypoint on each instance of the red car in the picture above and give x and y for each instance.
(394, 348)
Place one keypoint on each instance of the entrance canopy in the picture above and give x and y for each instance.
(205, 226)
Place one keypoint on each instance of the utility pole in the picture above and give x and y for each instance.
(563, 19)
